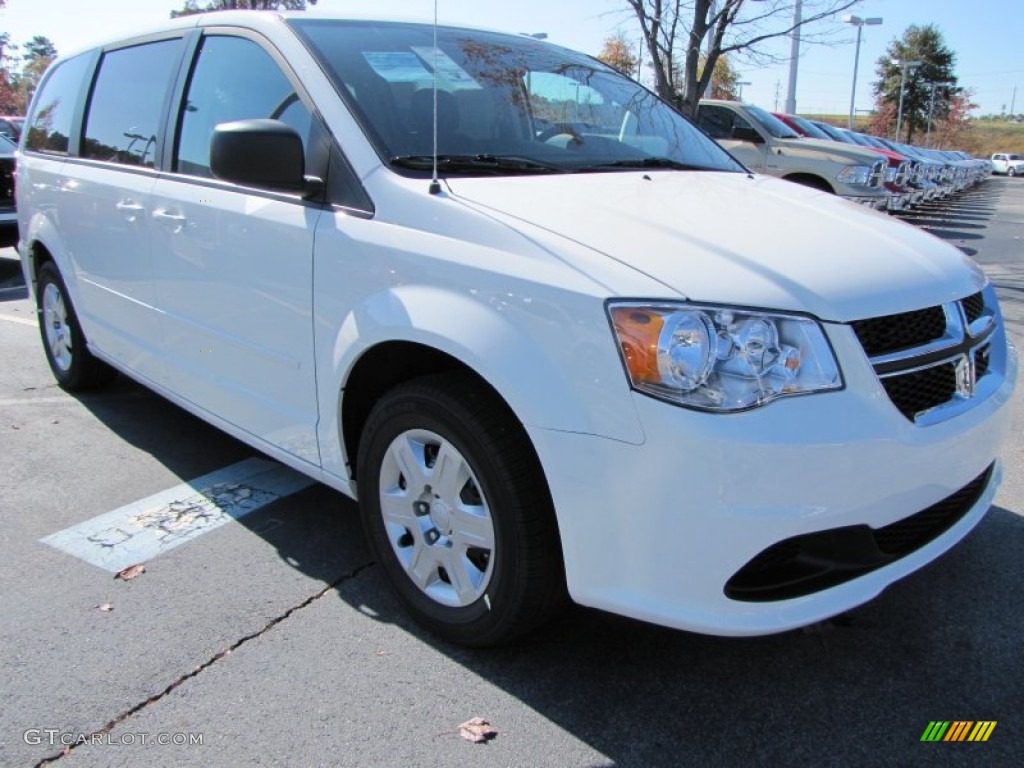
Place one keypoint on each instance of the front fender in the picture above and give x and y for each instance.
(554, 362)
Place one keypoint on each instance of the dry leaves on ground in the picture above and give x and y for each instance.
(129, 573)
(477, 730)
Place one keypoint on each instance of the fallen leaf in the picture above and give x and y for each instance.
(130, 572)
(15, 426)
(477, 730)
(105, 607)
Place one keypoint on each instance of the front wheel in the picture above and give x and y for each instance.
(457, 511)
(73, 366)
(1011, 171)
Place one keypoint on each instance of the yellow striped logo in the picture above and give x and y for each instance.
(958, 730)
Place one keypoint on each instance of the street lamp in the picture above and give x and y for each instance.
(911, 65)
(740, 84)
(858, 22)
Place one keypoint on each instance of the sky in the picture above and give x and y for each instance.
(986, 37)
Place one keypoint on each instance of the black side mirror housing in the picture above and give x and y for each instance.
(259, 153)
(743, 133)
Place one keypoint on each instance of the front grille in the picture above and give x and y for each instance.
(894, 333)
(981, 361)
(929, 357)
(911, 533)
(914, 392)
(877, 174)
(803, 565)
(974, 306)
(6, 183)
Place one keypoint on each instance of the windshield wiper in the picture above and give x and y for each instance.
(647, 162)
(475, 163)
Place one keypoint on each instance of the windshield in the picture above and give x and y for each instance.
(809, 128)
(771, 123)
(505, 104)
(833, 133)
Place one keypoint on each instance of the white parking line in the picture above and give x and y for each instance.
(140, 531)
(19, 320)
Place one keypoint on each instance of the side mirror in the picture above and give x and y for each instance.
(744, 133)
(259, 153)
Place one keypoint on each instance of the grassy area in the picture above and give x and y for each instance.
(981, 139)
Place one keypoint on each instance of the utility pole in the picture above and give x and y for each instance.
(1013, 101)
(794, 58)
(778, 92)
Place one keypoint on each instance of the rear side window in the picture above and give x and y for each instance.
(127, 103)
(718, 122)
(233, 79)
(49, 125)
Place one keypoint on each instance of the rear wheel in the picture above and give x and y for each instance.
(457, 511)
(1011, 171)
(73, 366)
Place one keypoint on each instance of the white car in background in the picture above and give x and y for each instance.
(1010, 164)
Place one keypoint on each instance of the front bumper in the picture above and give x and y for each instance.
(656, 531)
(876, 202)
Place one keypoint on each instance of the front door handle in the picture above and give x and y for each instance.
(129, 209)
(174, 222)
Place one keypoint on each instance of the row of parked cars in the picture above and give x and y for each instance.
(876, 172)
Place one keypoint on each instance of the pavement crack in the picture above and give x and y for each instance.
(128, 713)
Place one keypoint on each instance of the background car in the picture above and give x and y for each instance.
(1010, 164)
(8, 215)
(10, 126)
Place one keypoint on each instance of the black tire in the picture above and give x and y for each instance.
(512, 587)
(1011, 171)
(73, 366)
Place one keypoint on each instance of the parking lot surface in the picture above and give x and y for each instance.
(270, 637)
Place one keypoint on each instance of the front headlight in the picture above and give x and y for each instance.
(855, 174)
(720, 358)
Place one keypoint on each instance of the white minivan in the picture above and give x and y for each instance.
(590, 356)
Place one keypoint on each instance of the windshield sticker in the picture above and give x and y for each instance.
(447, 70)
(397, 66)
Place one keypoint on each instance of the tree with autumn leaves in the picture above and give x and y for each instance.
(21, 68)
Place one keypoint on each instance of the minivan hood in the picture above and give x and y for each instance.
(737, 238)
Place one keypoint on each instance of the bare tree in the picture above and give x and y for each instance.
(675, 30)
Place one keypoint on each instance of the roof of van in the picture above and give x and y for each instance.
(264, 20)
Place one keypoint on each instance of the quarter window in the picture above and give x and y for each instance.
(49, 125)
(233, 79)
(127, 103)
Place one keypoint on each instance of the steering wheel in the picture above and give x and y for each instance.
(561, 129)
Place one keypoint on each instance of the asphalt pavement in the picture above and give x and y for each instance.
(272, 640)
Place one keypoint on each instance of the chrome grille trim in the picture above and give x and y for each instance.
(965, 345)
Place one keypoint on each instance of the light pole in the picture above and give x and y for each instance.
(794, 57)
(739, 84)
(858, 22)
(911, 65)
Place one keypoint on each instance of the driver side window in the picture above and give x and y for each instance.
(233, 79)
